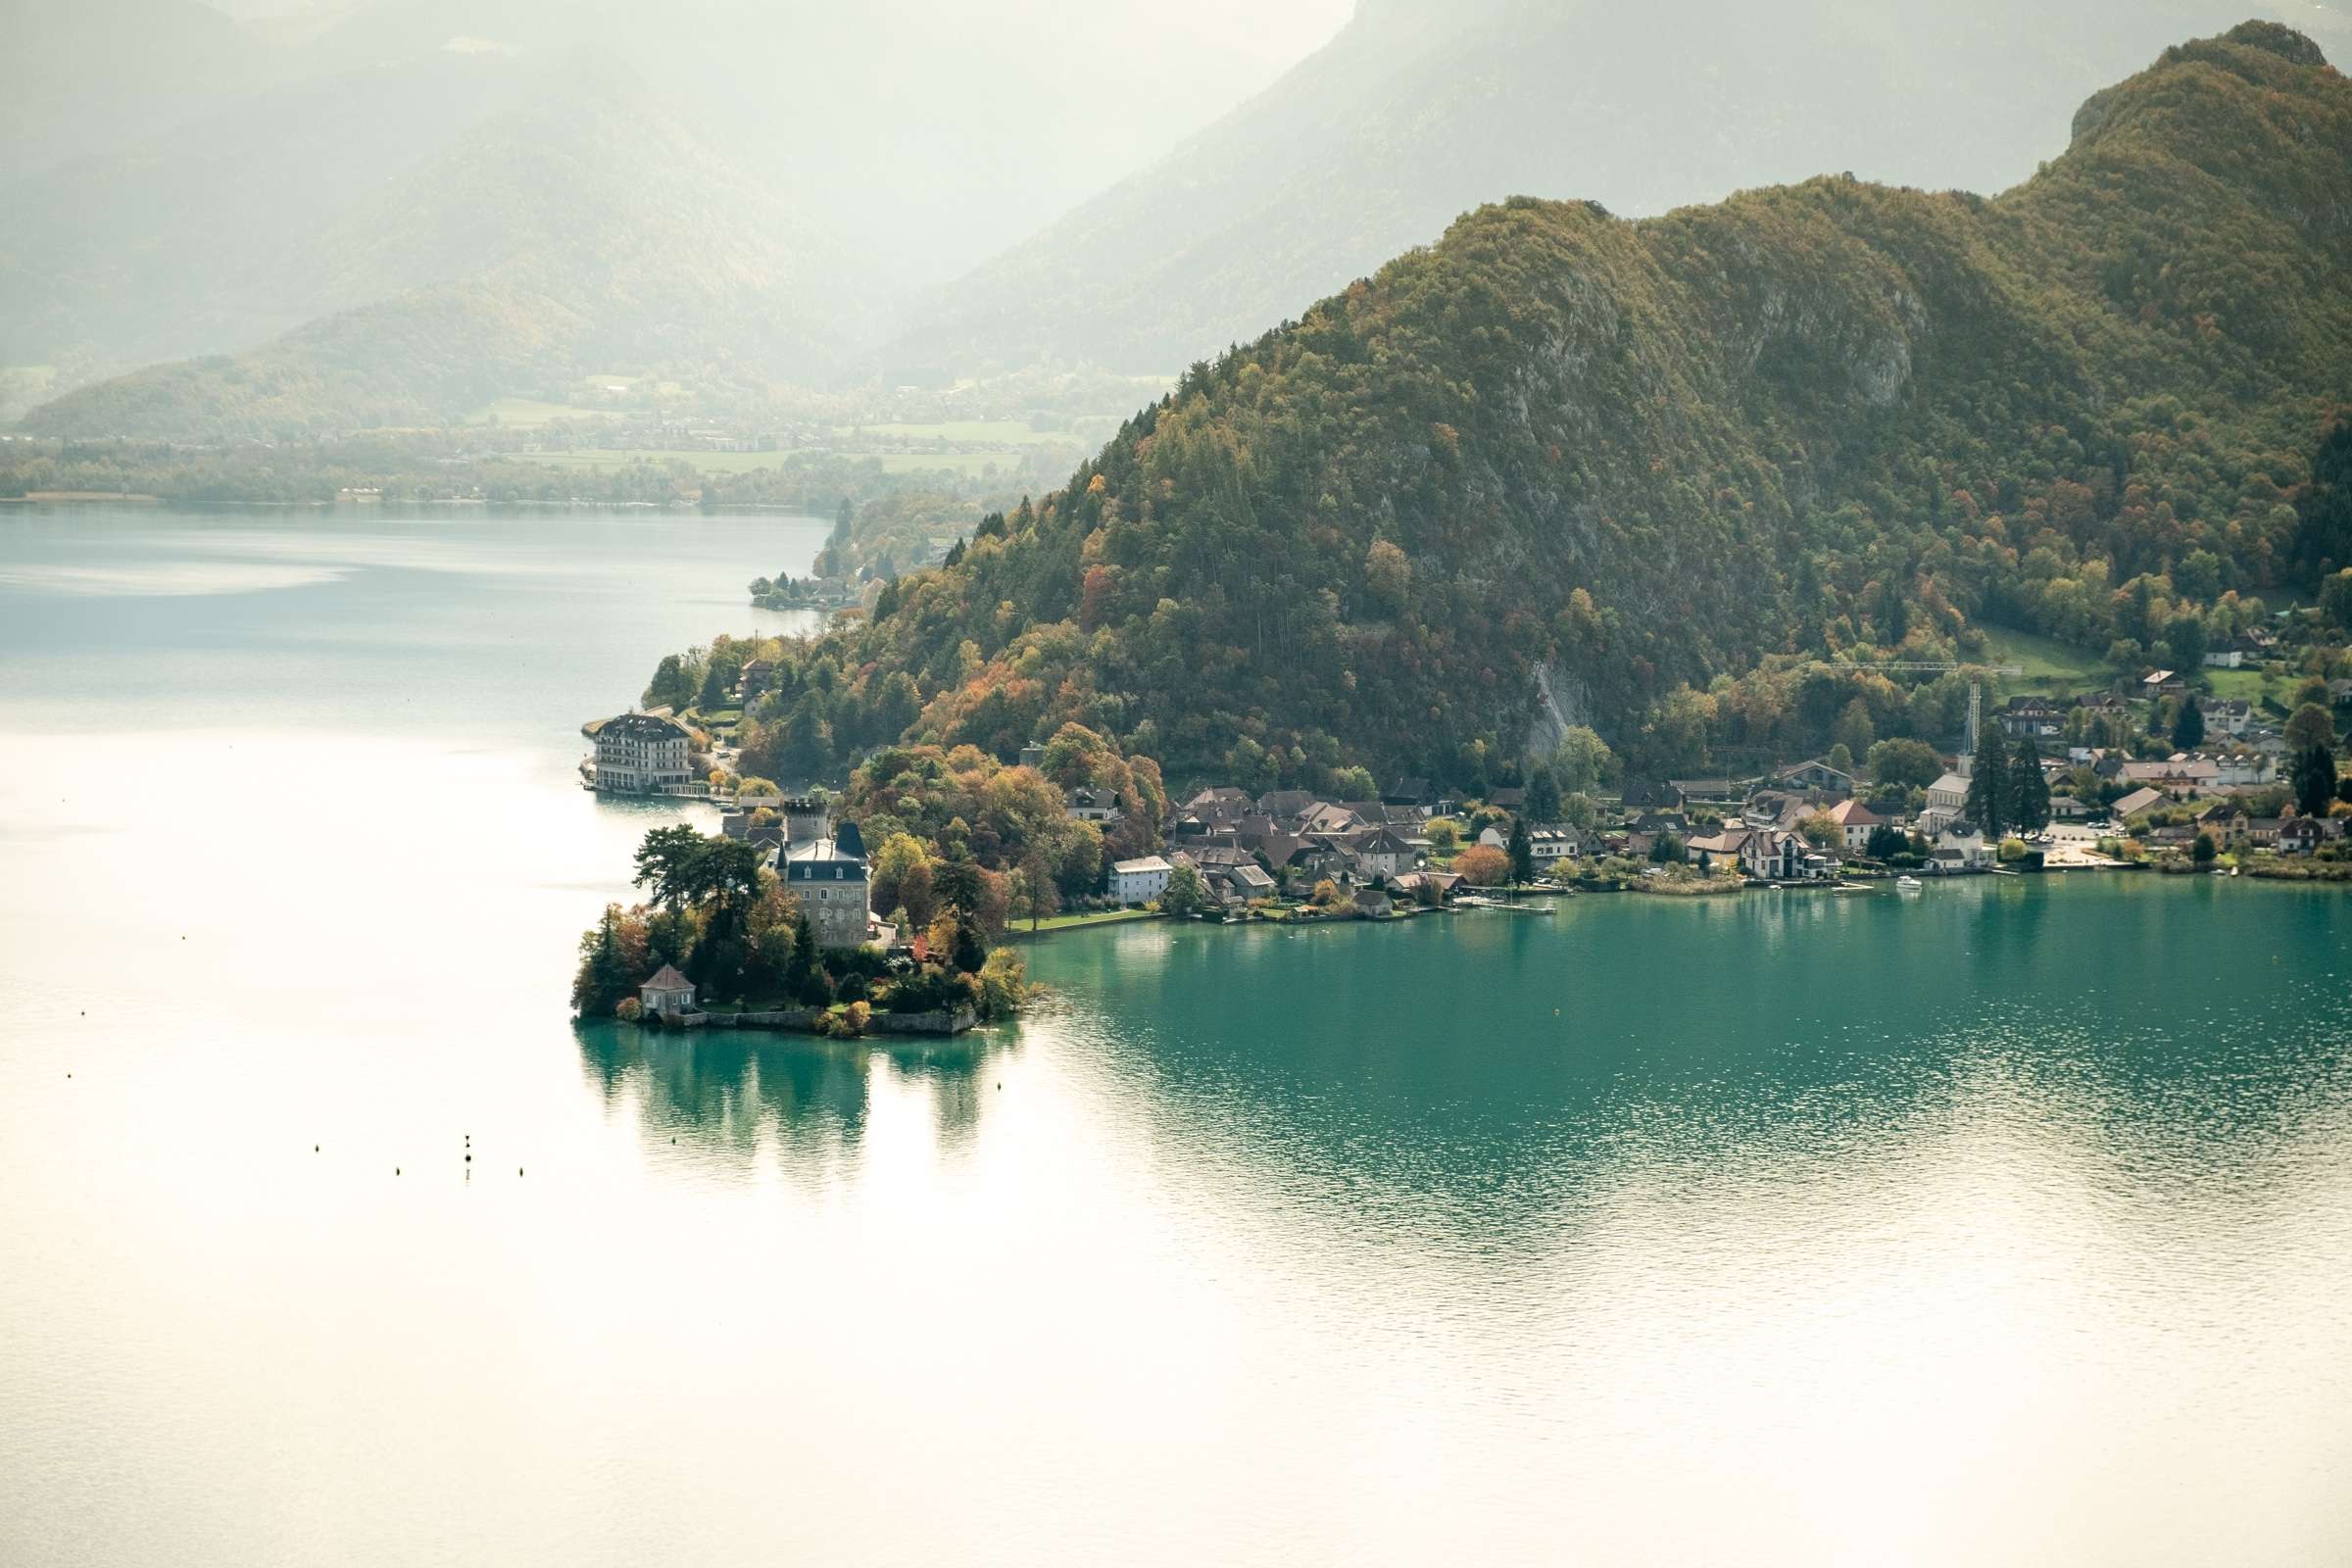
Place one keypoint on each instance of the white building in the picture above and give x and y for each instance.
(1134, 882)
(1947, 798)
(1089, 805)
(829, 878)
(644, 754)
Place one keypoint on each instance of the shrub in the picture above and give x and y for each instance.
(854, 1020)
(628, 1009)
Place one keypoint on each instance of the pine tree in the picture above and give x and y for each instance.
(1542, 796)
(2188, 726)
(1522, 850)
(1988, 784)
(2029, 790)
(2313, 778)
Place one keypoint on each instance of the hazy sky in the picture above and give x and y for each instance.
(1273, 32)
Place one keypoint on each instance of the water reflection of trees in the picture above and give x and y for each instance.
(727, 1095)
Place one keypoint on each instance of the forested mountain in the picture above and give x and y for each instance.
(1417, 112)
(1833, 419)
(256, 190)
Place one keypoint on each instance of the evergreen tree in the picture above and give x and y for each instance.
(2314, 777)
(1988, 784)
(1522, 850)
(804, 975)
(2029, 790)
(1542, 796)
(2188, 726)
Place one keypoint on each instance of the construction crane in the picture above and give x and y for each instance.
(1976, 688)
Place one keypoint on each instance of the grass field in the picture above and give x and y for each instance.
(2046, 660)
(530, 413)
(1006, 432)
(2253, 685)
(620, 457)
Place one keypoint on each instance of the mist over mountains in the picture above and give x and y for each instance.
(282, 220)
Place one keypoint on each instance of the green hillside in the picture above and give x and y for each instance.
(1826, 420)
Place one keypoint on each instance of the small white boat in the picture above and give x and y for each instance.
(1908, 884)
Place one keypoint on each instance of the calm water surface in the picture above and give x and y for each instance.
(2008, 1224)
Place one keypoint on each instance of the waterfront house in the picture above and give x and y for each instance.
(667, 994)
(1772, 855)
(1440, 883)
(2303, 835)
(644, 754)
(1139, 881)
(1373, 903)
(828, 875)
(1240, 883)
(1966, 842)
(2262, 832)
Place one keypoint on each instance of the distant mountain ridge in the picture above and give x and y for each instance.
(182, 189)
(1416, 114)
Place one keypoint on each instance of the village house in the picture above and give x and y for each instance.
(1820, 775)
(828, 875)
(1555, 844)
(754, 681)
(2162, 683)
(2227, 715)
(1773, 855)
(1960, 847)
(2034, 717)
(2139, 800)
(2303, 835)
(1139, 881)
(1855, 823)
(1381, 852)
(667, 994)
(1240, 883)
(1089, 805)
(2262, 832)
(644, 754)
(1440, 884)
(1374, 904)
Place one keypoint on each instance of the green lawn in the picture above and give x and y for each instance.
(531, 413)
(2253, 685)
(1068, 922)
(2046, 660)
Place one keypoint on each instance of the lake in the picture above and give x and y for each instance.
(2009, 1223)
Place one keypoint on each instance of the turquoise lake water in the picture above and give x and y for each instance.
(2009, 1223)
